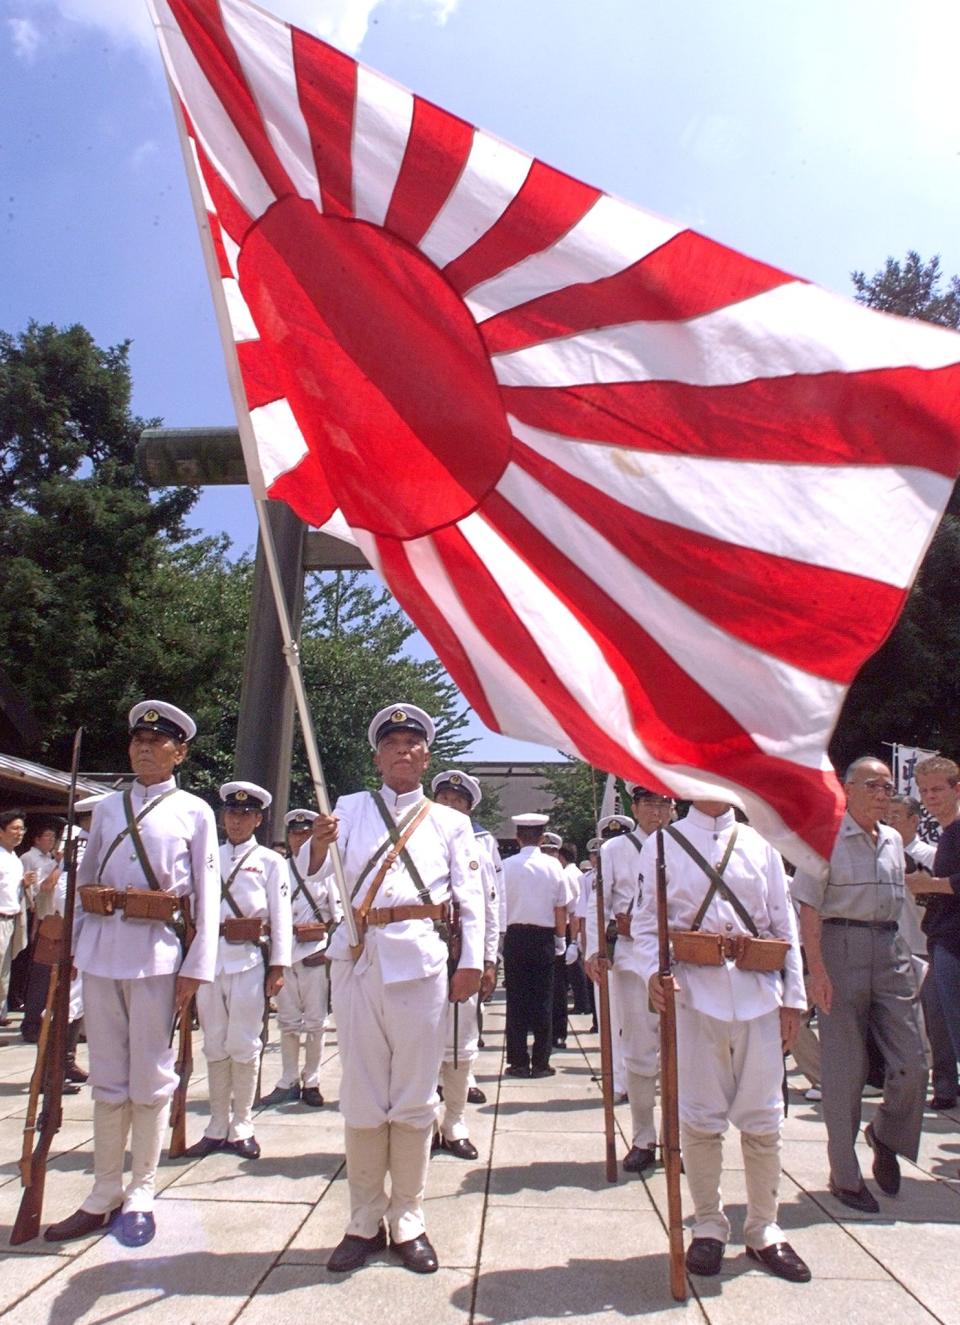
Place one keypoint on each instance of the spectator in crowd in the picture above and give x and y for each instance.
(13, 888)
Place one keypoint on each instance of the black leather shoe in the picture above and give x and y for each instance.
(537, 1072)
(780, 1259)
(476, 1096)
(248, 1148)
(704, 1256)
(310, 1095)
(280, 1095)
(76, 1073)
(638, 1159)
(417, 1254)
(79, 1225)
(352, 1251)
(70, 1088)
(941, 1102)
(205, 1146)
(463, 1148)
(886, 1170)
(136, 1228)
(862, 1200)
(516, 1071)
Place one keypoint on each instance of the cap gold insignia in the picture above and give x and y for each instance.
(474, 864)
(239, 795)
(455, 780)
(398, 715)
(151, 716)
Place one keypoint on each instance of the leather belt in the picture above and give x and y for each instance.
(888, 926)
(264, 931)
(391, 915)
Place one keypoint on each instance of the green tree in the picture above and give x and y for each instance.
(576, 790)
(353, 664)
(80, 535)
(908, 691)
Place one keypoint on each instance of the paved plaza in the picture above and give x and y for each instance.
(530, 1232)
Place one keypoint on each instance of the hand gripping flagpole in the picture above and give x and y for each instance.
(291, 647)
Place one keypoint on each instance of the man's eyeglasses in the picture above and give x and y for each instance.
(875, 784)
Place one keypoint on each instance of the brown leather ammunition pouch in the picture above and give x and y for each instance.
(311, 931)
(760, 954)
(696, 947)
(148, 904)
(623, 925)
(97, 900)
(243, 929)
(49, 948)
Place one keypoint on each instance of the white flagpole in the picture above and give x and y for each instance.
(291, 647)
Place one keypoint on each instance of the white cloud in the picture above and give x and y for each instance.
(25, 37)
(342, 22)
(142, 153)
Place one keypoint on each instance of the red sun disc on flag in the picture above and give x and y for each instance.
(403, 400)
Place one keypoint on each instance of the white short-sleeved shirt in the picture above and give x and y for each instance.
(535, 886)
(11, 882)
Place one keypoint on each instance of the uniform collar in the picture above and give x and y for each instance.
(850, 828)
(697, 819)
(155, 789)
(402, 801)
(241, 846)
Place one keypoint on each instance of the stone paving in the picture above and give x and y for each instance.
(530, 1232)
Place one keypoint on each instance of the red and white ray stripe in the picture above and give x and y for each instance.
(652, 502)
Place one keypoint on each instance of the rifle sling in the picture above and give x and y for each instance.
(715, 875)
(132, 830)
(399, 850)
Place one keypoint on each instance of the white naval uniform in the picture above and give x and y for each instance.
(129, 971)
(729, 1055)
(231, 1007)
(390, 1005)
(614, 986)
(302, 1003)
(639, 1026)
(456, 1080)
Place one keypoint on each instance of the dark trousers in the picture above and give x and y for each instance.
(938, 1033)
(35, 1000)
(528, 963)
(559, 1011)
(578, 982)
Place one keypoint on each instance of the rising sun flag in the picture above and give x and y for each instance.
(637, 490)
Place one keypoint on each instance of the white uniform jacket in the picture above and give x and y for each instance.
(327, 899)
(260, 888)
(756, 876)
(444, 852)
(491, 873)
(535, 886)
(620, 868)
(180, 839)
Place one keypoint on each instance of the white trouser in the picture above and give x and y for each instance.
(730, 1072)
(290, 1074)
(302, 1002)
(468, 1030)
(231, 1014)
(146, 1124)
(616, 1038)
(128, 1037)
(372, 1153)
(456, 1083)
(391, 1042)
(232, 1087)
(640, 1039)
(703, 1163)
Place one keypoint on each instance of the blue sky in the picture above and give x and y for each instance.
(819, 136)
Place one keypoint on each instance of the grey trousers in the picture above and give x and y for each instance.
(873, 988)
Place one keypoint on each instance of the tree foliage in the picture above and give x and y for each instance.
(908, 691)
(577, 791)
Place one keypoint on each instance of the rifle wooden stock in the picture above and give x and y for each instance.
(606, 1041)
(184, 1063)
(51, 1065)
(670, 1117)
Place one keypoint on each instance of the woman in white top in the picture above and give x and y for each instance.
(12, 828)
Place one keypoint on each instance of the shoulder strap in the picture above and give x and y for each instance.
(378, 852)
(225, 893)
(132, 830)
(632, 837)
(717, 884)
(400, 843)
(399, 849)
(302, 890)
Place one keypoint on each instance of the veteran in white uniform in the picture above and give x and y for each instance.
(639, 1025)
(462, 792)
(303, 1002)
(254, 897)
(733, 1024)
(536, 904)
(390, 1001)
(134, 971)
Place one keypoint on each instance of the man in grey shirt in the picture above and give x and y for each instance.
(860, 980)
